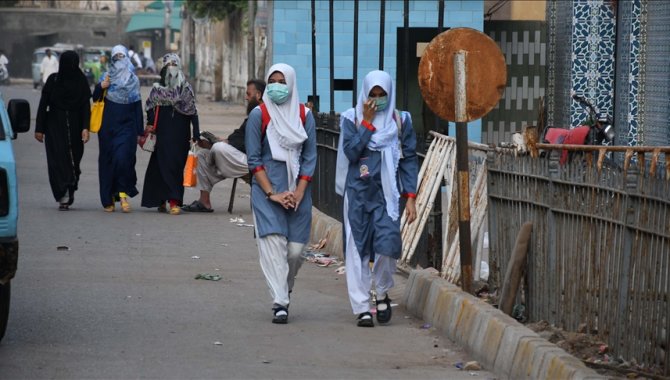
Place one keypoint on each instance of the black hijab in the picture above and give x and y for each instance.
(71, 88)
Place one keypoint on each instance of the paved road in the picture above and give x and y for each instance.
(122, 301)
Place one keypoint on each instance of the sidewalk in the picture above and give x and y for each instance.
(500, 343)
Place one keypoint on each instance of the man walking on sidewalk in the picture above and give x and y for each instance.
(221, 159)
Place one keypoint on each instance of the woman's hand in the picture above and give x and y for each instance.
(39, 136)
(285, 199)
(369, 110)
(105, 83)
(410, 209)
(297, 196)
(84, 135)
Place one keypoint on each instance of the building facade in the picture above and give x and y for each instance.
(290, 41)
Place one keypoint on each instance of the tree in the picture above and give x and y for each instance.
(8, 3)
(215, 9)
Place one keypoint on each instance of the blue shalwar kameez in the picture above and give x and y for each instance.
(271, 218)
(368, 228)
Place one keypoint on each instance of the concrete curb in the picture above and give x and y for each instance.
(497, 341)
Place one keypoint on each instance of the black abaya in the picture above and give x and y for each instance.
(164, 178)
(62, 123)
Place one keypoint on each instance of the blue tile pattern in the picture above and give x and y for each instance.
(593, 46)
(627, 106)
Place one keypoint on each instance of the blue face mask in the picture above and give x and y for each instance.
(382, 102)
(277, 92)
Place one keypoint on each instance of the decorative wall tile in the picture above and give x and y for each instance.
(593, 64)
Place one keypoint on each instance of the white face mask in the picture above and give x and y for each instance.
(173, 76)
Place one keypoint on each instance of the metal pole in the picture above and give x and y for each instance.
(382, 19)
(332, 61)
(405, 56)
(440, 16)
(354, 96)
(314, 53)
(440, 29)
(251, 40)
(462, 166)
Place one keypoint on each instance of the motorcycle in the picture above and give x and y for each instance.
(4, 74)
(596, 130)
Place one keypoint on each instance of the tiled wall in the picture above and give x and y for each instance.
(593, 47)
(637, 48)
(291, 40)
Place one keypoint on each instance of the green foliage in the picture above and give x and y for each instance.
(215, 9)
(8, 3)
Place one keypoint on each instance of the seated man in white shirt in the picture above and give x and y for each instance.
(220, 159)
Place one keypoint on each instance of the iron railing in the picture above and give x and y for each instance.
(600, 248)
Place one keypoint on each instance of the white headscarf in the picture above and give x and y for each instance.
(384, 140)
(286, 132)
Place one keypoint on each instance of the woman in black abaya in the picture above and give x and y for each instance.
(62, 125)
(173, 102)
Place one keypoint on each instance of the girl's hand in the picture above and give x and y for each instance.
(369, 110)
(285, 199)
(410, 209)
(39, 136)
(84, 135)
(105, 83)
(297, 196)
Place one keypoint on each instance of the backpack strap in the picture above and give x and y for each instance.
(265, 118)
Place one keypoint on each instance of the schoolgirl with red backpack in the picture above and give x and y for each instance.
(280, 140)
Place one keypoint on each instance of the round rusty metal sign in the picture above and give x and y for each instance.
(485, 68)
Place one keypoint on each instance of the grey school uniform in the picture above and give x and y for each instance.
(373, 230)
(271, 218)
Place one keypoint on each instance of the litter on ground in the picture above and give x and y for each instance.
(320, 259)
(208, 276)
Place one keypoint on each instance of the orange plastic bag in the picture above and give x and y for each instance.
(190, 176)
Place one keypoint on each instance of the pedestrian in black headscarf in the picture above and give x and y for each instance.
(62, 124)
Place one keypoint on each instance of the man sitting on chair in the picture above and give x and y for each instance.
(220, 159)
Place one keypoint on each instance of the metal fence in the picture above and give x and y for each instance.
(323, 182)
(600, 248)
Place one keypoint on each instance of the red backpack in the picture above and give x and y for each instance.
(265, 117)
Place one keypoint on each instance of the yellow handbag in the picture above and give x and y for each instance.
(96, 114)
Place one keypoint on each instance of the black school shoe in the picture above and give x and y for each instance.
(365, 320)
(385, 315)
(282, 318)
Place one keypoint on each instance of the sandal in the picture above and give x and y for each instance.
(384, 316)
(162, 208)
(109, 208)
(280, 315)
(125, 206)
(196, 206)
(63, 207)
(175, 210)
(365, 320)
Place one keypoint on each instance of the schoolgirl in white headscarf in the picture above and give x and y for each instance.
(282, 159)
(285, 134)
(376, 161)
